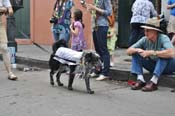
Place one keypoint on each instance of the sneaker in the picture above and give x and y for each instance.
(111, 64)
(101, 78)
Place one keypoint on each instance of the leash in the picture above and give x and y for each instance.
(37, 45)
(43, 49)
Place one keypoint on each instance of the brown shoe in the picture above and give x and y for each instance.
(150, 86)
(138, 85)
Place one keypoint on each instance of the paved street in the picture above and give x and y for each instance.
(32, 95)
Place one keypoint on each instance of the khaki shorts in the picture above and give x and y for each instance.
(171, 24)
(3, 35)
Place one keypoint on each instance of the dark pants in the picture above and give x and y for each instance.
(100, 44)
(136, 33)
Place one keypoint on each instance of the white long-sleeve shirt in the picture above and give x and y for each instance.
(5, 3)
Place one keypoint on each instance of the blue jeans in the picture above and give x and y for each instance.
(157, 67)
(58, 36)
(100, 44)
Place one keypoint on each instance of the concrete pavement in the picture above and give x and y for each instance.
(32, 95)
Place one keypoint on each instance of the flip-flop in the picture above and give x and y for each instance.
(12, 77)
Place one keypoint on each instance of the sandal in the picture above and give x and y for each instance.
(12, 77)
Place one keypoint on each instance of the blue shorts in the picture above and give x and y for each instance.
(58, 36)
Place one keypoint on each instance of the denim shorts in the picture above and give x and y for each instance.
(64, 36)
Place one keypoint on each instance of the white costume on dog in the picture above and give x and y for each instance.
(68, 56)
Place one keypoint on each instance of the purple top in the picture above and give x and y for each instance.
(78, 42)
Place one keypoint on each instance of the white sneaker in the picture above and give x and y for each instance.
(101, 78)
(111, 64)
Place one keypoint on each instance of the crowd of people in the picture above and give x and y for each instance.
(149, 47)
(100, 11)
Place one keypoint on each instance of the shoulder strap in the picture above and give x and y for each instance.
(55, 5)
(64, 59)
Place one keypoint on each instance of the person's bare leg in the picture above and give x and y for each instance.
(6, 60)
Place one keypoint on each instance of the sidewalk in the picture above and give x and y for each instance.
(34, 56)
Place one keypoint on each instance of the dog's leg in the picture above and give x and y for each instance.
(87, 81)
(58, 78)
(71, 76)
(71, 79)
(51, 77)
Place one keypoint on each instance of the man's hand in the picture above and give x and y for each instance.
(146, 53)
(139, 50)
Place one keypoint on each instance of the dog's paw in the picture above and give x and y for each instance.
(52, 83)
(60, 84)
(70, 88)
(90, 92)
(173, 90)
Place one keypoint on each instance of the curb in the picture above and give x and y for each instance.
(32, 62)
(115, 73)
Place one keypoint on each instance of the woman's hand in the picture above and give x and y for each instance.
(3, 10)
(90, 7)
(10, 11)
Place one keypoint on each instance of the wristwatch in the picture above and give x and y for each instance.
(155, 53)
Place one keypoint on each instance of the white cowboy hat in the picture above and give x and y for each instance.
(152, 24)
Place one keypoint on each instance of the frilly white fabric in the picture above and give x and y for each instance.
(66, 55)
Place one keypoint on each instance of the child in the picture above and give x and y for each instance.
(78, 41)
(112, 38)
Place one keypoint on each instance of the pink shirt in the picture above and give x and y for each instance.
(78, 42)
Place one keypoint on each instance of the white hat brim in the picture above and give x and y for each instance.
(151, 28)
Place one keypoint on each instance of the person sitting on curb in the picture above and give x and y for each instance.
(155, 53)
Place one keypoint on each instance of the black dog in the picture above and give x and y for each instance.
(86, 61)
